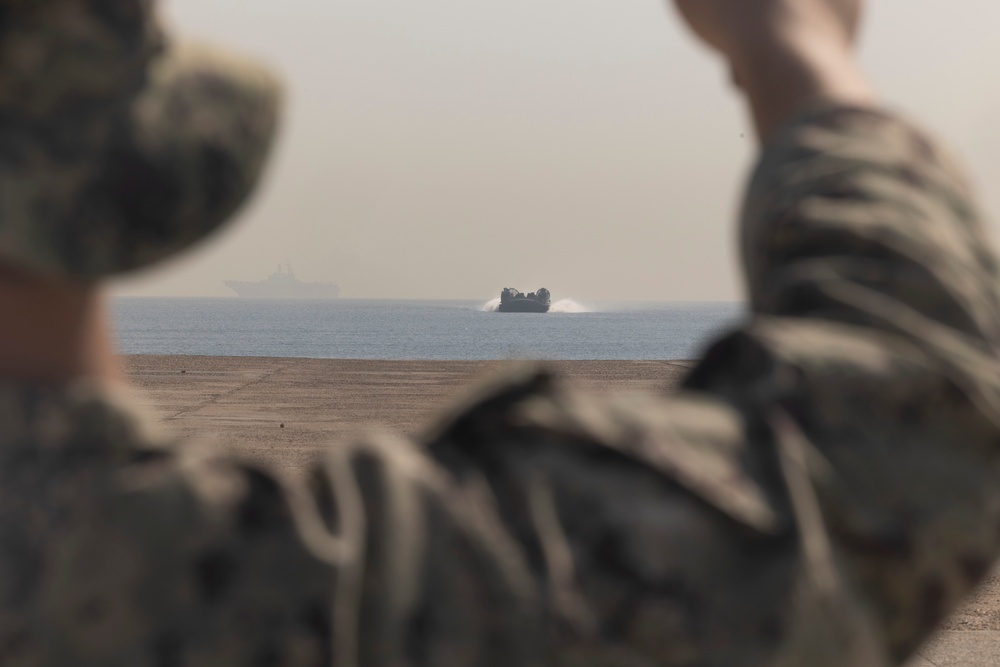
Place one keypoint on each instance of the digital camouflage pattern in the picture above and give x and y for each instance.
(116, 148)
(822, 491)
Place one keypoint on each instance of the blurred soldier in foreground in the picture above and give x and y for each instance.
(822, 492)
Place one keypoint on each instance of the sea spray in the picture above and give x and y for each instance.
(568, 306)
(491, 306)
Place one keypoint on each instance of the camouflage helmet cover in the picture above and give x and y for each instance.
(117, 149)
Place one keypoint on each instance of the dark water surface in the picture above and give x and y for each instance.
(384, 329)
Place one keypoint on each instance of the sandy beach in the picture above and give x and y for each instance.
(280, 412)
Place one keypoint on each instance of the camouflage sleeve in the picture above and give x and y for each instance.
(874, 348)
(855, 216)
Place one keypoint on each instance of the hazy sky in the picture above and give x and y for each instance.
(449, 148)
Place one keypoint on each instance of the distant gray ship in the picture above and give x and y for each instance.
(282, 284)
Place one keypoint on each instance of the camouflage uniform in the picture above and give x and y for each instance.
(822, 492)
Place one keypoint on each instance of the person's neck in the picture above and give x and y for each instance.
(54, 332)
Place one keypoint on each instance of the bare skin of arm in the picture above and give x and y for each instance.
(54, 331)
(786, 55)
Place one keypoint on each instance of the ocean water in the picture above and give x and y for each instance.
(388, 329)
